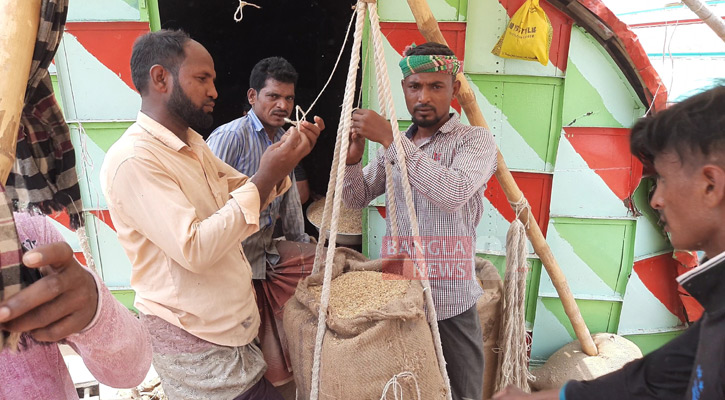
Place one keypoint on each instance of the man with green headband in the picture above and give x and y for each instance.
(449, 164)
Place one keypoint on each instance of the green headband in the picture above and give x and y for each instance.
(417, 64)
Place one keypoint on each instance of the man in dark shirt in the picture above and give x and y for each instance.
(685, 147)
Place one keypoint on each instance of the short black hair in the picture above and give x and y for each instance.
(276, 68)
(164, 47)
(429, 49)
(693, 127)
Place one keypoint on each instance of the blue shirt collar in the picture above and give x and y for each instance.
(259, 128)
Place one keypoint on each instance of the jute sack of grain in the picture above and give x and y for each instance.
(489, 308)
(360, 354)
(571, 363)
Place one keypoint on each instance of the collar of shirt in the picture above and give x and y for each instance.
(706, 283)
(448, 127)
(165, 136)
(259, 128)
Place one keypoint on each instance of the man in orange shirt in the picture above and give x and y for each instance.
(181, 214)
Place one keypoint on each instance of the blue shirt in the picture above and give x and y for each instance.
(241, 143)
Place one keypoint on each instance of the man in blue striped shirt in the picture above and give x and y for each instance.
(276, 265)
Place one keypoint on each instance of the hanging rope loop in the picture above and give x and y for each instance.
(239, 14)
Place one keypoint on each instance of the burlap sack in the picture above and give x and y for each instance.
(489, 308)
(361, 354)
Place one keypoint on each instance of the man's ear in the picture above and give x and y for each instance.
(160, 78)
(251, 96)
(714, 177)
(456, 87)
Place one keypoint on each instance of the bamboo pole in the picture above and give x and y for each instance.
(705, 14)
(428, 26)
(17, 41)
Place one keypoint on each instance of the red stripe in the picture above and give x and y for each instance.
(606, 152)
(10, 258)
(658, 275)
(110, 43)
(105, 216)
(673, 22)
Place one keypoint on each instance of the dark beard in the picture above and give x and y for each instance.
(426, 123)
(181, 106)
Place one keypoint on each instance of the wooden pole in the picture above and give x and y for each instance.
(705, 14)
(17, 41)
(428, 26)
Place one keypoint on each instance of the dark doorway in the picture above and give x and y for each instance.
(308, 33)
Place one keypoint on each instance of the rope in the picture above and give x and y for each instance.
(238, 15)
(397, 387)
(513, 366)
(86, 248)
(298, 109)
(334, 189)
(412, 216)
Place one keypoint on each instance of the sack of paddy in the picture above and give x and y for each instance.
(571, 363)
(490, 308)
(376, 328)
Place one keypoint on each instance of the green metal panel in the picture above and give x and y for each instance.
(600, 316)
(650, 238)
(523, 108)
(552, 328)
(652, 341)
(373, 236)
(111, 261)
(596, 93)
(107, 10)
(125, 297)
(91, 141)
(104, 134)
(56, 90)
(604, 247)
(152, 7)
(532, 282)
(444, 10)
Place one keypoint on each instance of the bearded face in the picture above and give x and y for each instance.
(181, 105)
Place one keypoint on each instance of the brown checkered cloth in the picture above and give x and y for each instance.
(43, 176)
(10, 264)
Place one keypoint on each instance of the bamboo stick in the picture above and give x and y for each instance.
(17, 41)
(428, 26)
(705, 14)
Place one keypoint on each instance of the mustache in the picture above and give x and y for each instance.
(424, 107)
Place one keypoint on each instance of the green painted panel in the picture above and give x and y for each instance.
(486, 23)
(153, 15)
(143, 8)
(652, 341)
(605, 246)
(56, 91)
(104, 134)
(525, 108)
(444, 10)
(533, 110)
(125, 297)
(583, 105)
(599, 316)
(650, 238)
(597, 94)
(532, 282)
